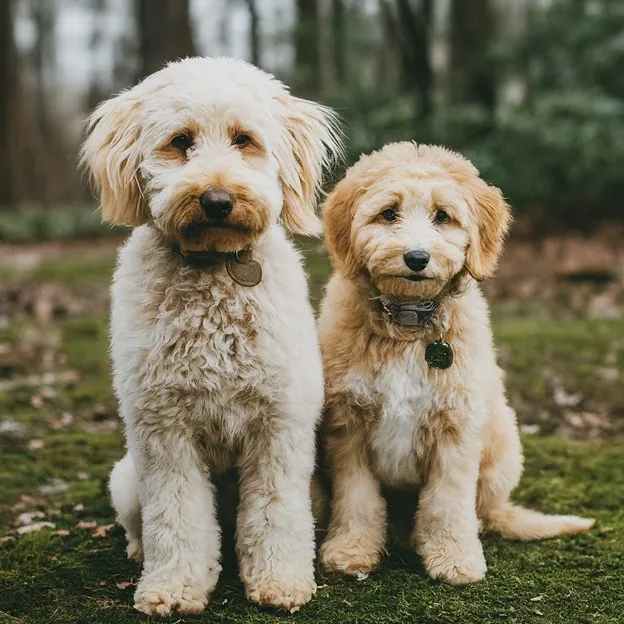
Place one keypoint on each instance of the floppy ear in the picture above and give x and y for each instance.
(492, 218)
(111, 155)
(311, 143)
(338, 213)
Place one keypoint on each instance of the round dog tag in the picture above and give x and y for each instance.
(439, 354)
(244, 270)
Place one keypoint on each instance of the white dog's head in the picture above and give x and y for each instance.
(211, 151)
(412, 217)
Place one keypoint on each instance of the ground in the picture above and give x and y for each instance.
(59, 435)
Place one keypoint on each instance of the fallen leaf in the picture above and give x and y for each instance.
(79, 507)
(537, 612)
(361, 576)
(27, 517)
(6, 539)
(537, 598)
(36, 445)
(83, 476)
(55, 486)
(125, 584)
(35, 526)
(322, 586)
(62, 533)
(53, 558)
(83, 524)
(102, 531)
(606, 529)
(65, 421)
(103, 583)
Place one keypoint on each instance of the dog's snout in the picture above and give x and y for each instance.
(417, 259)
(216, 203)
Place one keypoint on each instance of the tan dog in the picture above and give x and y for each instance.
(414, 396)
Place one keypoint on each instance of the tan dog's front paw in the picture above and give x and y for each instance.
(288, 594)
(455, 564)
(163, 598)
(349, 554)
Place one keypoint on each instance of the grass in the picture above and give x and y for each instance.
(38, 223)
(49, 578)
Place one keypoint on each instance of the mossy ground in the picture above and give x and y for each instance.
(50, 579)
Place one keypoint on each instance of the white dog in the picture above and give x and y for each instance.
(215, 354)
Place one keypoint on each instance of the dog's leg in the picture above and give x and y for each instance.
(446, 526)
(124, 490)
(181, 537)
(357, 529)
(275, 529)
(501, 468)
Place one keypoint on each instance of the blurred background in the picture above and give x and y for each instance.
(531, 90)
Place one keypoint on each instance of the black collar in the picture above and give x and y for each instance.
(240, 265)
(410, 314)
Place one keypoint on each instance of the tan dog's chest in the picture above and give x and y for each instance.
(408, 408)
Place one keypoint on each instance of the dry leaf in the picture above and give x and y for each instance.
(27, 517)
(125, 584)
(537, 598)
(6, 539)
(606, 529)
(83, 524)
(83, 476)
(79, 507)
(35, 526)
(102, 531)
(62, 533)
(36, 445)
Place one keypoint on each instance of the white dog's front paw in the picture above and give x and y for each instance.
(350, 554)
(165, 595)
(287, 592)
(454, 562)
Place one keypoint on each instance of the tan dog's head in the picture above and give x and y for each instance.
(412, 217)
(211, 151)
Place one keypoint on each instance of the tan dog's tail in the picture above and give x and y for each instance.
(518, 523)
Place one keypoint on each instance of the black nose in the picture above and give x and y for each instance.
(216, 203)
(417, 259)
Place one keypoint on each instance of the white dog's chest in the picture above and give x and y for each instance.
(403, 405)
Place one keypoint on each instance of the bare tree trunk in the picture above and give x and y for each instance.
(307, 48)
(472, 30)
(254, 33)
(411, 21)
(339, 41)
(7, 103)
(165, 33)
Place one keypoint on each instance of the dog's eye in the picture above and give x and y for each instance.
(441, 217)
(182, 142)
(242, 140)
(390, 214)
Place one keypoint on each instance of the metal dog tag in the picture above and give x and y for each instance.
(243, 269)
(439, 354)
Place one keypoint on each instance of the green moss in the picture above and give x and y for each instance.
(578, 579)
(47, 579)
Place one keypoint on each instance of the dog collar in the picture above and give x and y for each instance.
(240, 265)
(409, 314)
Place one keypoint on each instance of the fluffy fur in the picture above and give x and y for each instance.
(208, 373)
(392, 420)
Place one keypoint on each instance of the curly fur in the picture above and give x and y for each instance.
(208, 373)
(390, 418)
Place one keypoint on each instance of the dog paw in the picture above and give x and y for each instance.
(288, 594)
(135, 550)
(455, 564)
(166, 597)
(349, 554)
